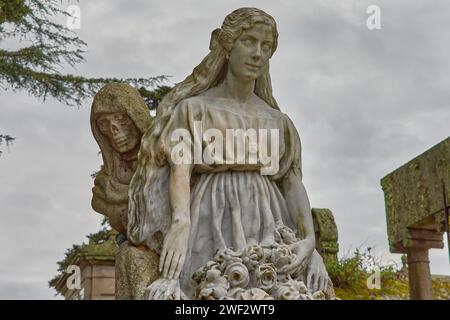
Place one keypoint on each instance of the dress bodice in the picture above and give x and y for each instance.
(252, 137)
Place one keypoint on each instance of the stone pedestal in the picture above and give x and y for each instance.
(136, 268)
(96, 265)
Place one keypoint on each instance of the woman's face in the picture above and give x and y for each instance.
(120, 131)
(251, 52)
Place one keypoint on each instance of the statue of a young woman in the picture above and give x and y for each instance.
(190, 211)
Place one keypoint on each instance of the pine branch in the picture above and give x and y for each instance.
(47, 46)
(8, 140)
(68, 89)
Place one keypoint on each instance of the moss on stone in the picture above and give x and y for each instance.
(414, 194)
(101, 246)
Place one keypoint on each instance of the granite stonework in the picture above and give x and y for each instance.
(416, 195)
(136, 269)
(119, 117)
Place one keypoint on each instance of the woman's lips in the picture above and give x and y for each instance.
(253, 66)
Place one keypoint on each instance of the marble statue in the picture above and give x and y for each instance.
(223, 224)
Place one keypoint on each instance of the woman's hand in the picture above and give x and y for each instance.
(316, 274)
(302, 250)
(164, 289)
(174, 250)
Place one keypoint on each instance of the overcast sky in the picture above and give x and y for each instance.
(364, 102)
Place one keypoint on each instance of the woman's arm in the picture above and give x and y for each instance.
(298, 205)
(175, 243)
(179, 193)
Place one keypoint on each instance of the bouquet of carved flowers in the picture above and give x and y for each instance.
(256, 272)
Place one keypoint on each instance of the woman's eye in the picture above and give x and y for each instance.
(247, 41)
(267, 47)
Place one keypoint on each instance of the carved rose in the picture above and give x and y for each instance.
(254, 252)
(253, 294)
(253, 273)
(285, 235)
(237, 275)
(252, 255)
(215, 286)
(286, 291)
(258, 294)
(211, 265)
(281, 256)
(236, 293)
(200, 273)
(228, 256)
(266, 276)
(206, 294)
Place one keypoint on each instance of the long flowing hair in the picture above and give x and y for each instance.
(149, 211)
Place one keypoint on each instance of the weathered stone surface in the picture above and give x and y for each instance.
(136, 268)
(419, 276)
(326, 232)
(414, 195)
(119, 117)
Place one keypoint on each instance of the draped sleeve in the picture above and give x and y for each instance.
(149, 215)
(180, 131)
(291, 158)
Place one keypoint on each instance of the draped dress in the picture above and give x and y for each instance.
(233, 204)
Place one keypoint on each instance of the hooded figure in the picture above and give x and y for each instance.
(119, 117)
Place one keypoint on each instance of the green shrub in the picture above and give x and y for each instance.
(351, 272)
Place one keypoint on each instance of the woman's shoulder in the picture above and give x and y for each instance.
(190, 105)
(268, 109)
(190, 101)
(198, 101)
(208, 100)
(211, 93)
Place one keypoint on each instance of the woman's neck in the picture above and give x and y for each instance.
(237, 89)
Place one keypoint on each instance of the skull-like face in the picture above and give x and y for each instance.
(120, 131)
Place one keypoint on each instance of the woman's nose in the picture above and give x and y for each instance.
(257, 52)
